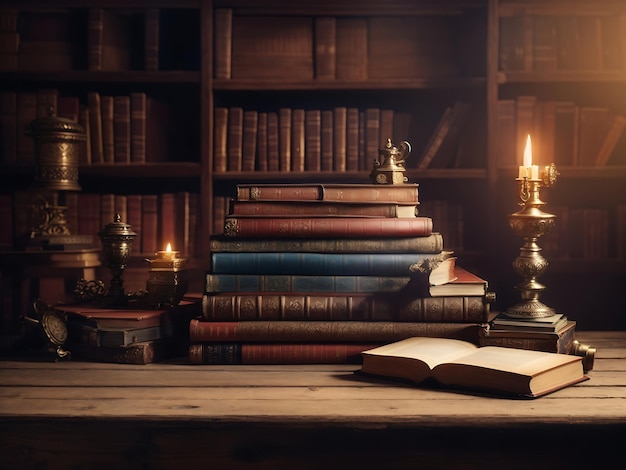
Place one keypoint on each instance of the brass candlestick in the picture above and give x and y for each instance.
(530, 222)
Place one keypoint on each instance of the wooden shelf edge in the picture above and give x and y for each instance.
(351, 176)
(97, 76)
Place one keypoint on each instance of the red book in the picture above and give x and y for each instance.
(466, 283)
(278, 353)
(337, 331)
(313, 227)
(405, 193)
(235, 139)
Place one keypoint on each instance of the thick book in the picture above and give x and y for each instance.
(331, 331)
(560, 341)
(431, 244)
(345, 264)
(322, 208)
(404, 193)
(277, 353)
(235, 306)
(459, 364)
(314, 227)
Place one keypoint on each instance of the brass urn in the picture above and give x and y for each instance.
(117, 241)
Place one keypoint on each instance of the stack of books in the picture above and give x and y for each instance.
(318, 273)
(135, 334)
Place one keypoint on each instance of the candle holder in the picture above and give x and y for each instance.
(167, 282)
(530, 222)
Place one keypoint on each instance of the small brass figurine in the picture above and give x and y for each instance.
(390, 168)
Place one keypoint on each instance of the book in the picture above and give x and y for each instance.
(612, 137)
(273, 144)
(593, 124)
(249, 140)
(95, 127)
(327, 140)
(107, 111)
(262, 143)
(284, 139)
(220, 139)
(405, 193)
(298, 139)
(340, 129)
(325, 47)
(432, 244)
(277, 353)
(351, 48)
(138, 353)
(138, 127)
(149, 223)
(235, 306)
(108, 39)
(222, 48)
(560, 341)
(344, 264)
(121, 127)
(114, 337)
(352, 139)
(321, 226)
(321, 208)
(550, 323)
(151, 38)
(331, 331)
(313, 140)
(464, 283)
(235, 139)
(460, 364)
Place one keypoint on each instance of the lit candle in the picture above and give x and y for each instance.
(528, 170)
(168, 253)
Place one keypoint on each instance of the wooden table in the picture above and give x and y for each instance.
(175, 415)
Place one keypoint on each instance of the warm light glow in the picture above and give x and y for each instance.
(169, 248)
(528, 153)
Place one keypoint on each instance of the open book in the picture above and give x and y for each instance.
(457, 363)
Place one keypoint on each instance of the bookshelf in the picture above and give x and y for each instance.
(400, 67)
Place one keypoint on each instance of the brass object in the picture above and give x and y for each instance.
(586, 352)
(50, 326)
(389, 169)
(167, 282)
(531, 222)
(117, 241)
(56, 144)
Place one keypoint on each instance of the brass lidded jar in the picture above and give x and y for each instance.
(117, 241)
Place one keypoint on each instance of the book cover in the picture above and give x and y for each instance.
(249, 140)
(284, 139)
(352, 139)
(552, 323)
(298, 139)
(108, 40)
(340, 127)
(560, 341)
(432, 244)
(405, 193)
(121, 128)
(325, 37)
(107, 111)
(343, 307)
(277, 353)
(460, 364)
(273, 142)
(220, 139)
(331, 331)
(235, 139)
(319, 208)
(327, 140)
(313, 140)
(321, 226)
(261, 143)
(222, 48)
(116, 337)
(351, 48)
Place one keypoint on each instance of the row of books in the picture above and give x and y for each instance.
(563, 132)
(547, 43)
(338, 139)
(98, 39)
(586, 233)
(313, 279)
(118, 129)
(340, 47)
(156, 219)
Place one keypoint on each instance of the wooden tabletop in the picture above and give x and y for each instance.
(248, 405)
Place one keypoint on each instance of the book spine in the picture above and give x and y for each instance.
(344, 307)
(249, 140)
(235, 139)
(298, 136)
(273, 143)
(278, 353)
(149, 223)
(293, 283)
(95, 45)
(223, 42)
(325, 52)
(138, 127)
(284, 138)
(151, 39)
(313, 140)
(340, 264)
(286, 208)
(551, 342)
(107, 111)
(340, 128)
(121, 127)
(352, 139)
(327, 227)
(427, 245)
(95, 127)
(220, 139)
(322, 192)
(327, 141)
(261, 143)
(353, 331)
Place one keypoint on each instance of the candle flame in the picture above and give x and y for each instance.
(528, 153)
(169, 248)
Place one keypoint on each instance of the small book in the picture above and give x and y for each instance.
(460, 364)
(460, 281)
(551, 323)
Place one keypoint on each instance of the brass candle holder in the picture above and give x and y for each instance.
(531, 222)
(167, 282)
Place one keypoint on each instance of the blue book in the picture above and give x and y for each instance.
(335, 264)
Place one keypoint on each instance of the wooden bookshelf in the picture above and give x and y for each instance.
(414, 77)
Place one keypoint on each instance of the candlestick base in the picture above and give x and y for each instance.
(529, 310)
